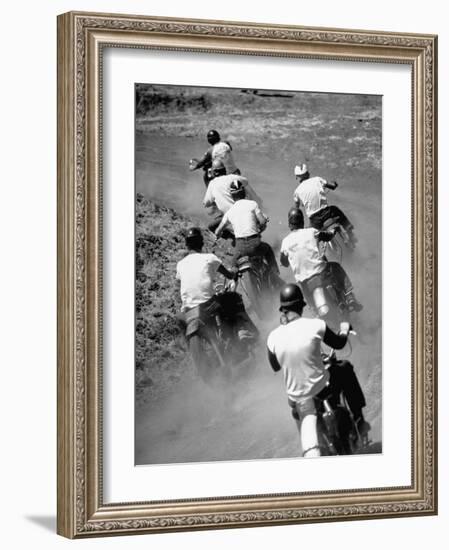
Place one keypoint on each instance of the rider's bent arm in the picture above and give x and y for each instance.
(206, 159)
(208, 200)
(335, 341)
(221, 226)
(332, 185)
(226, 272)
(261, 218)
(296, 199)
(273, 361)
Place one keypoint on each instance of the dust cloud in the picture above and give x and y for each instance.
(250, 418)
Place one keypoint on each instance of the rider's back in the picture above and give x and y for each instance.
(312, 194)
(304, 254)
(297, 346)
(219, 191)
(222, 151)
(197, 273)
(243, 217)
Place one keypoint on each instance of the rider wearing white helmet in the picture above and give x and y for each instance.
(311, 193)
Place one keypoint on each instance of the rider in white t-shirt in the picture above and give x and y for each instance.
(311, 193)
(218, 196)
(247, 222)
(295, 347)
(219, 190)
(301, 250)
(197, 272)
(218, 151)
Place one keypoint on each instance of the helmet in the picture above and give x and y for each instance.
(291, 295)
(217, 168)
(237, 190)
(301, 169)
(295, 218)
(213, 137)
(194, 238)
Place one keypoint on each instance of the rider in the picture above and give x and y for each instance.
(218, 192)
(197, 273)
(301, 250)
(218, 150)
(311, 192)
(247, 222)
(295, 347)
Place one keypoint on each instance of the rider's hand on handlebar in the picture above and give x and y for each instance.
(192, 164)
(345, 328)
(231, 285)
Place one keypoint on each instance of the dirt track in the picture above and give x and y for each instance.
(252, 420)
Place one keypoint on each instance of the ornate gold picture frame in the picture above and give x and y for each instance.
(82, 40)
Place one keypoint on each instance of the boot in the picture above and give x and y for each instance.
(363, 427)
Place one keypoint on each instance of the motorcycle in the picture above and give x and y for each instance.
(220, 335)
(258, 284)
(342, 241)
(338, 433)
(325, 297)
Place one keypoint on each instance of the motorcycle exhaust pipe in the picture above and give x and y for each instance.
(319, 299)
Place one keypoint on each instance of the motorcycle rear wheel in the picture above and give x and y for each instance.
(207, 357)
(251, 286)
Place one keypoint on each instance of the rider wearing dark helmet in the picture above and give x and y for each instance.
(218, 150)
(295, 347)
(213, 137)
(247, 222)
(301, 251)
(219, 194)
(197, 271)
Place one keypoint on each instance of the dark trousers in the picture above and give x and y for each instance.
(343, 380)
(333, 274)
(254, 246)
(318, 219)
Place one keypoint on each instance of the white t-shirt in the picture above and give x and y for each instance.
(197, 273)
(222, 151)
(312, 194)
(243, 218)
(302, 249)
(297, 346)
(219, 191)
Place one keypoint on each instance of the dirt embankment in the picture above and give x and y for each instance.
(161, 358)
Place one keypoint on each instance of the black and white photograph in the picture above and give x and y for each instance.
(258, 274)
